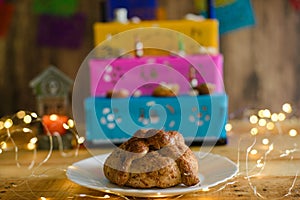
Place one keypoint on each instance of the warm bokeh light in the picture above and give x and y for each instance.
(253, 152)
(53, 117)
(3, 145)
(81, 140)
(274, 117)
(30, 146)
(27, 130)
(265, 141)
(27, 119)
(254, 131)
(281, 116)
(262, 122)
(261, 113)
(253, 119)
(21, 114)
(270, 126)
(266, 113)
(66, 126)
(287, 108)
(33, 140)
(293, 132)
(34, 115)
(8, 123)
(71, 123)
(228, 127)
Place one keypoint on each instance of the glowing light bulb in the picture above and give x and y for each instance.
(66, 126)
(270, 125)
(30, 146)
(34, 115)
(27, 119)
(71, 123)
(33, 140)
(253, 119)
(254, 131)
(274, 117)
(281, 117)
(266, 113)
(27, 130)
(253, 152)
(53, 117)
(81, 140)
(228, 127)
(262, 122)
(3, 145)
(293, 132)
(21, 114)
(265, 141)
(8, 123)
(287, 108)
(261, 113)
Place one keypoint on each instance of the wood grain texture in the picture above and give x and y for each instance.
(237, 188)
(278, 180)
(262, 63)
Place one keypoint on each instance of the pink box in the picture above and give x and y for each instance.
(143, 74)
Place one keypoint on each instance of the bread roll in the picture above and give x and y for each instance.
(153, 158)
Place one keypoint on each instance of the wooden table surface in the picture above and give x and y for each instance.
(266, 171)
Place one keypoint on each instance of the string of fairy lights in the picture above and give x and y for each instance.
(267, 130)
(264, 120)
(27, 125)
(261, 122)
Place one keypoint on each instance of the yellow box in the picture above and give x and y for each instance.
(159, 34)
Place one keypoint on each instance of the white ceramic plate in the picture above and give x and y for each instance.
(213, 170)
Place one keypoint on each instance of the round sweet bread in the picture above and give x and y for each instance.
(153, 158)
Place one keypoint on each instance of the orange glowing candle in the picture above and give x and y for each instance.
(54, 123)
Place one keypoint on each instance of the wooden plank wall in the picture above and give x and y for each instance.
(262, 64)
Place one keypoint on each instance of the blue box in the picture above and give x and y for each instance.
(146, 9)
(200, 119)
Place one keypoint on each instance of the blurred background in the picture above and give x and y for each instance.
(261, 61)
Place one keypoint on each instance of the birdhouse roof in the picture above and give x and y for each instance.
(49, 76)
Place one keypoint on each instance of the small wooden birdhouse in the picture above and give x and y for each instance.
(52, 89)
